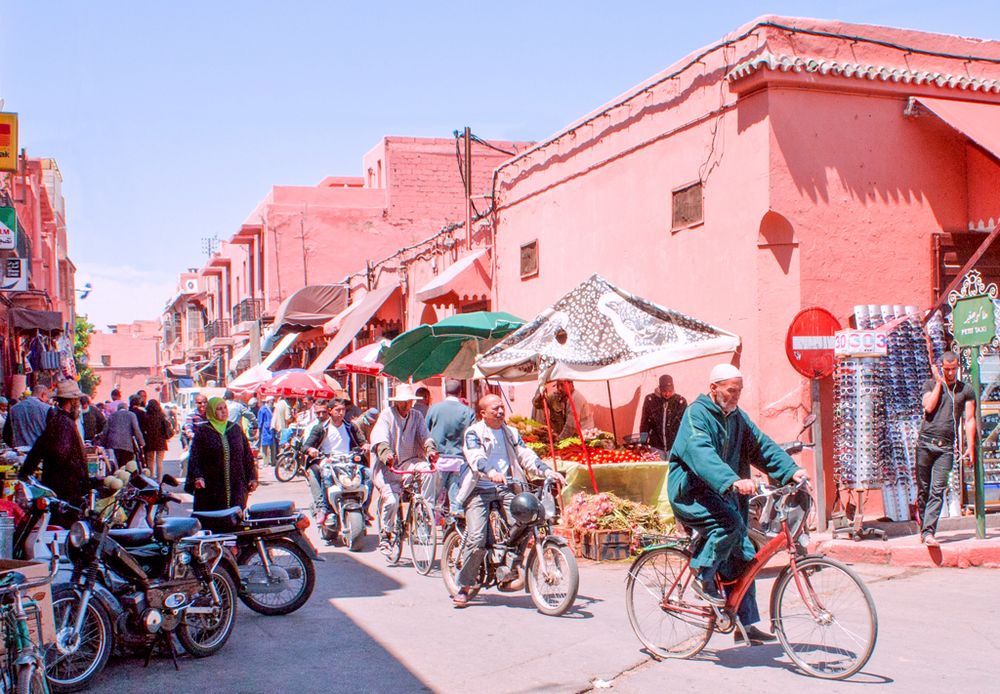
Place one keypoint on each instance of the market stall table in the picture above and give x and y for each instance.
(645, 482)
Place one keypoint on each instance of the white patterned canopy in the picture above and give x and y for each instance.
(598, 332)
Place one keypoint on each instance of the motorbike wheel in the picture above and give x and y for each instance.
(295, 562)
(71, 672)
(31, 680)
(451, 564)
(285, 468)
(553, 593)
(354, 531)
(203, 635)
(422, 536)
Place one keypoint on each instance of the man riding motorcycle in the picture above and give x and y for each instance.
(495, 454)
(400, 439)
(330, 433)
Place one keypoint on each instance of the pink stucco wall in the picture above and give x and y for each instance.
(817, 191)
(132, 353)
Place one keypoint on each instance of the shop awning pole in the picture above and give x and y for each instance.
(586, 448)
(611, 409)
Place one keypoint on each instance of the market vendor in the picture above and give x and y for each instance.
(708, 485)
(560, 419)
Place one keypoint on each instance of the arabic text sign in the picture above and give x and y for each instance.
(974, 321)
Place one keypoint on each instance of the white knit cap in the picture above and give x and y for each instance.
(723, 372)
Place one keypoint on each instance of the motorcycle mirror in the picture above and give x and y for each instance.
(138, 481)
(170, 481)
(808, 422)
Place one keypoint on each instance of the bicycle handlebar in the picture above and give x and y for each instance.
(765, 490)
(28, 585)
(396, 470)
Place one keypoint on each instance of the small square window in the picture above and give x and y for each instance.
(529, 259)
(688, 209)
(105, 360)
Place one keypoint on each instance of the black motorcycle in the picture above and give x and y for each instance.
(291, 459)
(527, 546)
(133, 588)
(275, 573)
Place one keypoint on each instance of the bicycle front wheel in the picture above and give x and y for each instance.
(825, 618)
(423, 536)
(666, 614)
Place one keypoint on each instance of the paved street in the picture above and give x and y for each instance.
(370, 627)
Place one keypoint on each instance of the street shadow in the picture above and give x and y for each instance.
(772, 655)
(340, 575)
(265, 654)
(522, 600)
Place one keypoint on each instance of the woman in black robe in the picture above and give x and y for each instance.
(221, 469)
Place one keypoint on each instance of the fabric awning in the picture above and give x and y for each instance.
(178, 371)
(349, 323)
(977, 121)
(598, 332)
(309, 307)
(30, 319)
(240, 353)
(467, 278)
(279, 349)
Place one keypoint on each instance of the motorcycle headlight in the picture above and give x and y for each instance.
(549, 504)
(348, 480)
(79, 534)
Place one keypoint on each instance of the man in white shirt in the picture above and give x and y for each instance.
(330, 433)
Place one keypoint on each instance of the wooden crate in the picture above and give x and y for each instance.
(572, 538)
(606, 545)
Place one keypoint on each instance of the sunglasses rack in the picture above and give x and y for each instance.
(877, 413)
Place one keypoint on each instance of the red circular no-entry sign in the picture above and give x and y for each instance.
(809, 343)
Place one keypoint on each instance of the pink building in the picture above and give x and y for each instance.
(46, 301)
(302, 236)
(127, 358)
(792, 163)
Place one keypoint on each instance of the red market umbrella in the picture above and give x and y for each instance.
(363, 360)
(299, 384)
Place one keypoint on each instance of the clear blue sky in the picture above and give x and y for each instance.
(171, 120)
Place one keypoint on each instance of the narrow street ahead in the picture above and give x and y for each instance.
(369, 627)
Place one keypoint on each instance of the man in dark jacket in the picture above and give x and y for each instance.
(121, 434)
(661, 415)
(93, 419)
(59, 450)
(137, 407)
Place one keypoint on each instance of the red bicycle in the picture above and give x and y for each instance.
(821, 611)
(416, 524)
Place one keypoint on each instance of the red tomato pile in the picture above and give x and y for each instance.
(600, 456)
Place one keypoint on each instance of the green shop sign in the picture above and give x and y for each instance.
(974, 321)
(8, 228)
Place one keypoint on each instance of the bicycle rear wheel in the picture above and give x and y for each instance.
(666, 614)
(423, 535)
(825, 618)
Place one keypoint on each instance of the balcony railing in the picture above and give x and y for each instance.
(246, 310)
(217, 328)
(195, 338)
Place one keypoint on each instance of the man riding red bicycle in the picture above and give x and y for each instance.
(708, 487)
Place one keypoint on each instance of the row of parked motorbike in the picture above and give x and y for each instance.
(136, 577)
